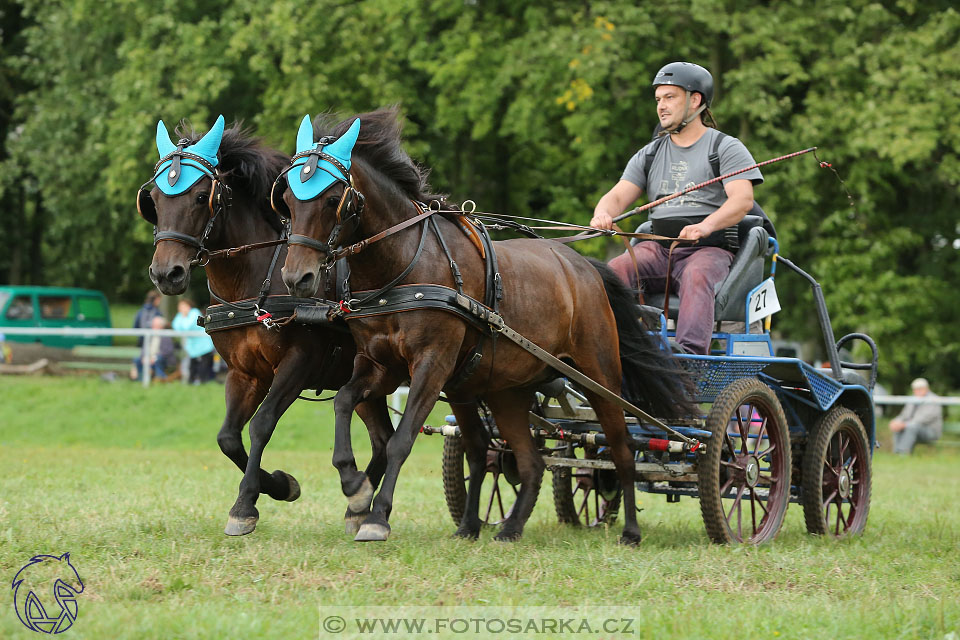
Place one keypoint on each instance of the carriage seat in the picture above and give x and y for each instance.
(746, 272)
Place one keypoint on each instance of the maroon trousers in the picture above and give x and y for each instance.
(695, 274)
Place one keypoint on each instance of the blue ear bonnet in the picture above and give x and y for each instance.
(322, 163)
(181, 166)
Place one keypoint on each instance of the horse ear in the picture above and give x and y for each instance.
(305, 134)
(209, 144)
(164, 144)
(342, 147)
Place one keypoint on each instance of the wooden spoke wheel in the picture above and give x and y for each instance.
(836, 475)
(500, 486)
(744, 478)
(585, 496)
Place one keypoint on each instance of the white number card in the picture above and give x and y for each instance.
(763, 301)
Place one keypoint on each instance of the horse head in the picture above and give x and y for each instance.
(323, 203)
(187, 195)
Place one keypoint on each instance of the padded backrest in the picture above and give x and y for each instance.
(746, 272)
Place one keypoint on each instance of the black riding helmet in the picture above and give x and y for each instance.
(689, 76)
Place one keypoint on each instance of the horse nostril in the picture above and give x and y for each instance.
(176, 274)
(306, 281)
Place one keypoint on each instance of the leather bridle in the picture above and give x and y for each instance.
(221, 197)
(351, 201)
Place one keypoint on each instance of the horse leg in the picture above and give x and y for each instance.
(511, 409)
(426, 381)
(286, 386)
(475, 444)
(377, 420)
(354, 483)
(621, 450)
(243, 395)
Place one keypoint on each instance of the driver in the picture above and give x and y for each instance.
(689, 150)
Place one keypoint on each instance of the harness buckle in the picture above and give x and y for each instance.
(346, 306)
(265, 318)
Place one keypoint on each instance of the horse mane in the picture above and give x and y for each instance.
(380, 144)
(246, 164)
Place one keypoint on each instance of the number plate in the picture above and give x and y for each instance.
(762, 302)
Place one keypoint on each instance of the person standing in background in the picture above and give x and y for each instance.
(198, 350)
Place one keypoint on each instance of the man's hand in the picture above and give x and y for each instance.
(897, 425)
(696, 232)
(601, 220)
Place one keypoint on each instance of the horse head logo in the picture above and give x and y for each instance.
(40, 578)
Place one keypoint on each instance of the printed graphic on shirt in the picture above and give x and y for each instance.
(677, 182)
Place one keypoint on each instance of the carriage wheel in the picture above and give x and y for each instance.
(501, 481)
(744, 478)
(836, 475)
(587, 497)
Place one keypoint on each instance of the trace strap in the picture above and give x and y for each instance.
(497, 325)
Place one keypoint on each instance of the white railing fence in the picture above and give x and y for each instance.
(396, 400)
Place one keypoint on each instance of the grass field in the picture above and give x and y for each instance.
(130, 481)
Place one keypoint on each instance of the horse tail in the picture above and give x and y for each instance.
(652, 378)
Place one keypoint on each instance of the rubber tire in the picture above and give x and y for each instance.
(566, 509)
(454, 487)
(838, 418)
(737, 393)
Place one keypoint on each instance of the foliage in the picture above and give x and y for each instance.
(527, 108)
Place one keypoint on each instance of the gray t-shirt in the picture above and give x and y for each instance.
(676, 168)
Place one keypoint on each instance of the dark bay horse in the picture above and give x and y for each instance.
(266, 368)
(551, 295)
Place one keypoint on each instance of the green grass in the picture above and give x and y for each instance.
(131, 482)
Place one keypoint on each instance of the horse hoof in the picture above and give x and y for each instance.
(294, 487)
(629, 539)
(351, 523)
(506, 537)
(360, 501)
(466, 534)
(240, 526)
(372, 533)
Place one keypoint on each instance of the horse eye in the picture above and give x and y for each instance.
(203, 198)
(333, 201)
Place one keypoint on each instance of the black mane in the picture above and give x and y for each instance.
(246, 164)
(381, 145)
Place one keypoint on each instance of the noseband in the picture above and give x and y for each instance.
(221, 197)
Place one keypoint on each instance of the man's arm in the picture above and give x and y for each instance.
(614, 202)
(928, 415)
(739, 203)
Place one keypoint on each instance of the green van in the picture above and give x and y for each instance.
(53, 307)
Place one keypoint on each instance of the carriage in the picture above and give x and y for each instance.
(777, 429)
(787, 432)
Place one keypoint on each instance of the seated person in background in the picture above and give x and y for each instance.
(161, 352)
(920, 422)
(683, 157)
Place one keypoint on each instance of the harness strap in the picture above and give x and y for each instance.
(175, 236)
(356, 248)
(230, 315)
(393, 283)
(246, 248)
(497, 325)
(307, 241)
